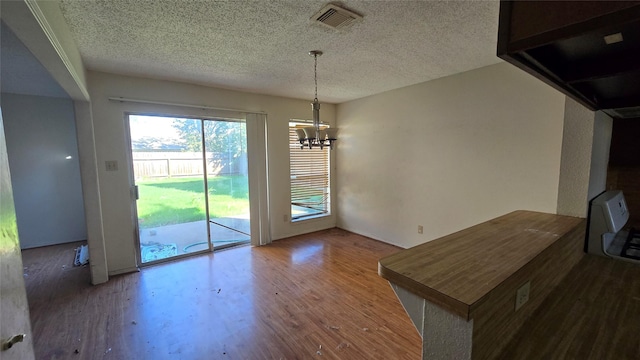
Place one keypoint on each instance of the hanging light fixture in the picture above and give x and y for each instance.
(313, 135)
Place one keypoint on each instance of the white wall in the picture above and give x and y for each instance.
(47, 189)
(585, 157)
(602, 131)
(110, 137)
(40, 25)
(90, 192)
(576, 159)
(577, 144)
(448, 154)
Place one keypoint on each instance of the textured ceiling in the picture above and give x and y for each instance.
(261, 46)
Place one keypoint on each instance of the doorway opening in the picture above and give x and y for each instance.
(192, 185)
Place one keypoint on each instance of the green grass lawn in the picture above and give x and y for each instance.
(179, 200)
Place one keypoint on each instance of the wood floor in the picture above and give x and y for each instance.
(312, 296)
(594, 313)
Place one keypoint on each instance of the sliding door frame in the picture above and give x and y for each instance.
(134, 192)
(205, 177)
(256, 125)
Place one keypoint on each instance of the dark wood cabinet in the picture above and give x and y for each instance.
(625, 143)
(589, 50)
(624, 165)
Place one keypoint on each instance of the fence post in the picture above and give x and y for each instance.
(169, 167)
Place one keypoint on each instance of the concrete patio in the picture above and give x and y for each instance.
(192, 236)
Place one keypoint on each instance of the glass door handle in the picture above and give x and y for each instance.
(8, 343)
(136, 193)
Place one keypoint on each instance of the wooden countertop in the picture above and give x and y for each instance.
(458, 270)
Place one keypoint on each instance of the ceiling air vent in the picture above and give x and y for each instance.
(335, 17)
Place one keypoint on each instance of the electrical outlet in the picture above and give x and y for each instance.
(420, 229)
(522, 295)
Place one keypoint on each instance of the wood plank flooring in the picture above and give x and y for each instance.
(594, 313)
(285, 300)
(311, 296)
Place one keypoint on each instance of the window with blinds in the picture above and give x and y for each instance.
(309, 177)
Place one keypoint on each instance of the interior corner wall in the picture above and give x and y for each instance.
(602, 132)
(90, 192)
(577, 152)
(448, 154)
(111, 144)
(41, 134)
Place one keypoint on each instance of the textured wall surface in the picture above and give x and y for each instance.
(446, 335)
(602, 131)
(577, 142)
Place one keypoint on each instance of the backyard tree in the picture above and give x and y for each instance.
(225, 139)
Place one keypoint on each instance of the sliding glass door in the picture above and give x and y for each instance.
(228, 181)
(191, 182)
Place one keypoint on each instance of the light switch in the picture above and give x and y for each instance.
(111, 165)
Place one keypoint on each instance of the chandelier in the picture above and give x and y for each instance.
(316, 136)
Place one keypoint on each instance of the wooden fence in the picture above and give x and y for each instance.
(182, 164)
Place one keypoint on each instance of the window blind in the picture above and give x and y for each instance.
(309, 177)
